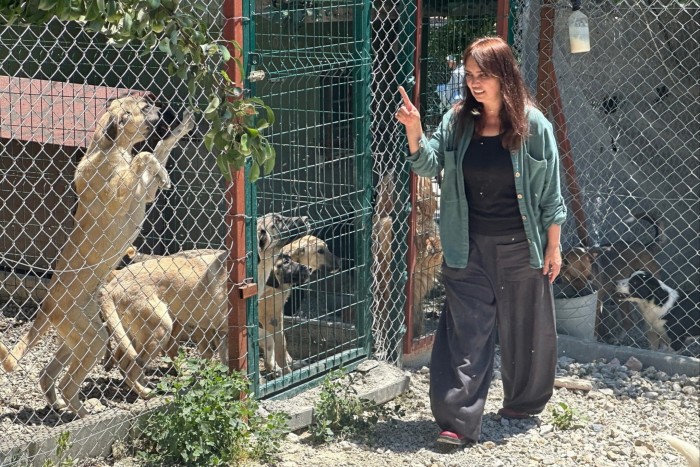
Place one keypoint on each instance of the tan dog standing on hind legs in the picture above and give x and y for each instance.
(113, 187)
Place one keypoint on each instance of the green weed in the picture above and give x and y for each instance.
(565, 417)
(206, 422)
(340, 413)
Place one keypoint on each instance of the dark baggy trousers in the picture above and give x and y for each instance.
(497, 290)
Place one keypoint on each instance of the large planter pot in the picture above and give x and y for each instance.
(576, 316)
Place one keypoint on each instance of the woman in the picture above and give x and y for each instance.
(501, 212)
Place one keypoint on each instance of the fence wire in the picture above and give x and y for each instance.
(73, 210)
(366, 259)
(628, 110)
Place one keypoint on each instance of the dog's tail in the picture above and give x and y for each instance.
(125, 348)
(654, 218)
(40, 326)
(689, 451)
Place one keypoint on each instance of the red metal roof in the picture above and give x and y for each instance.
(52, 112)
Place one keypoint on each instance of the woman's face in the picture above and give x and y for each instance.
(485, 89)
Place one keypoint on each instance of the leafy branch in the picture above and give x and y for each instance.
(236, 120)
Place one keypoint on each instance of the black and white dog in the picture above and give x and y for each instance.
(671, 314)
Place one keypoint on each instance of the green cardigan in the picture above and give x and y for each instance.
(537, 182)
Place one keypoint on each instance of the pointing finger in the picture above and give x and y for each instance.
(406, 100)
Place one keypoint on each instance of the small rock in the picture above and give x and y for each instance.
(564, 361)
(424, 370)
(633, 364)
(597, 427)
(544, 429)
(642, 451)
(94, 405)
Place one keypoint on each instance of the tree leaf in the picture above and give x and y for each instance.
(209, 140)
(222, 163)
(269, 164)
(214, 103)
(254, 173)
(164, 46)
(262, 124)
(244, 144)
(270, 115)
(47, 5)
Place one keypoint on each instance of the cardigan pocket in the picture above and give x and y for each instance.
(536, 174)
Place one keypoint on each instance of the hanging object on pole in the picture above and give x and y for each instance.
(579, 39)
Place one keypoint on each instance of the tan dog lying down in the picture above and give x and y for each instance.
(154, 305)
(113, 187)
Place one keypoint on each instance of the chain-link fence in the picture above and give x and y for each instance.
(76, 198)
(67, 293)
(626, 118)
(446, 30)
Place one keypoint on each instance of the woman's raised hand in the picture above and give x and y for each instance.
(407, 113)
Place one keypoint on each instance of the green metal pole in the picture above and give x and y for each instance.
(363, 166)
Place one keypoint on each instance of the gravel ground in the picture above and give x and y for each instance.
(622, 416)
(622, 419)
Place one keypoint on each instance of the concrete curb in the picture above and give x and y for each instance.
(587, 351)
(392, 389)
(94, 436)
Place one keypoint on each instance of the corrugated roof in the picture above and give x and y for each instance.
(52, 112)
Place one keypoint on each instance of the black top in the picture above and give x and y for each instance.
(490, 188)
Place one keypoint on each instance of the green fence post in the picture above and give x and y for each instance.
(363, 167)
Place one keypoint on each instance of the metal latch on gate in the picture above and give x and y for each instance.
(248, 290)
(255, 75)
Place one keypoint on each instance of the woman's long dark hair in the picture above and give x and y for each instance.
(495, 58)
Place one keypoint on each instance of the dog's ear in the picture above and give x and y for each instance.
(272, 281)
(264, 240)
(106, 131)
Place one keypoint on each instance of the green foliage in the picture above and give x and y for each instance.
(565, 417)
(63, 444)
(177, 30)
(206, 422)
(340, 413)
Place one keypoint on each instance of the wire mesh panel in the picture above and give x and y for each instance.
(315, 59)
(626, 118)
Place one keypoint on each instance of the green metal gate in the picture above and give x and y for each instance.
(310, 61)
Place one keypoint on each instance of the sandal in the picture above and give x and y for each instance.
(450, 437)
